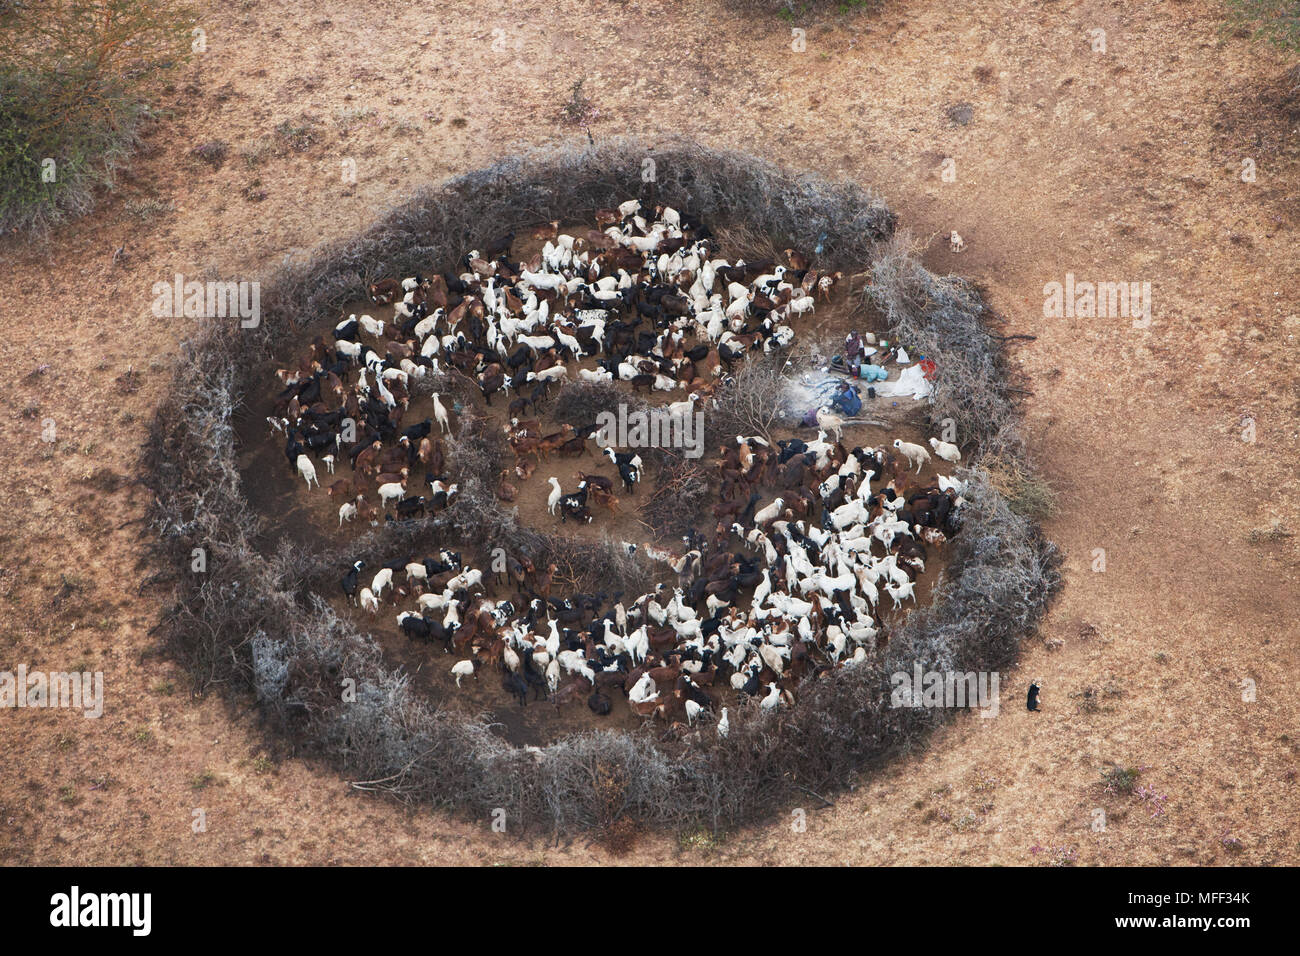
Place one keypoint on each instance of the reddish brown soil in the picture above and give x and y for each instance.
(1121, 165)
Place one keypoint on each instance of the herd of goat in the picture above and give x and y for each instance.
(811, 531)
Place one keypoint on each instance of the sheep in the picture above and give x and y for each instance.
(463, 669)
(433, 602)
(915, 454)
(682, 409)
(371, 325)
(693, 711)
(368, 601)
(643, 690)
(765, 516)
(392, 491)
(549, 374)
(946, 451)
(467, 580)
(955, 485)
(804, 303)
(813, 594)
(383, 579)
(900, 592)
(440, 414)
(543, 280)
(307, 470)
(772, 658)
(347, 511)
(828, 420)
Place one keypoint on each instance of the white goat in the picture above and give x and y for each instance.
(307, 470)
(915, 454)
(463, 669)
(945, 450)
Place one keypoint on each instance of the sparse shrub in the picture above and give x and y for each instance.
(253, 154)
(148, 209)
(756, 403)
(298, 135)
(1120, 780)
(1027, 493)
(213, 152)
(578, 110)
(74, 81)
(1276, 21)
(349, 118)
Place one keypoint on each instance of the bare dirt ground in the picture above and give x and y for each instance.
(1121, 165)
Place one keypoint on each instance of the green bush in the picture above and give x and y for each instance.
(73, 81)
(1277, 21)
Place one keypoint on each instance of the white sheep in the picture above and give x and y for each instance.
(347, 511)
(553, 499)
(383, 579)
(900, 592)
(468, 579)
(805, 303)
(368, 600)
(433, 602)
(371, 325)
(693, 710)
(440, 414)
(307, 470)
(643, 690)
(463, 669)
(915, 454)
(773, 698)
(391, 491)
(724, 724)
(772, 658)
(831, 422)
(549, 374)
(681, 409)
(946, 451)
(765, 516)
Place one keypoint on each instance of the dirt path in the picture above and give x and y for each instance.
(1112, 166)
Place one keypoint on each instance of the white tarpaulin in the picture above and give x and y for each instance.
(910, 381)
